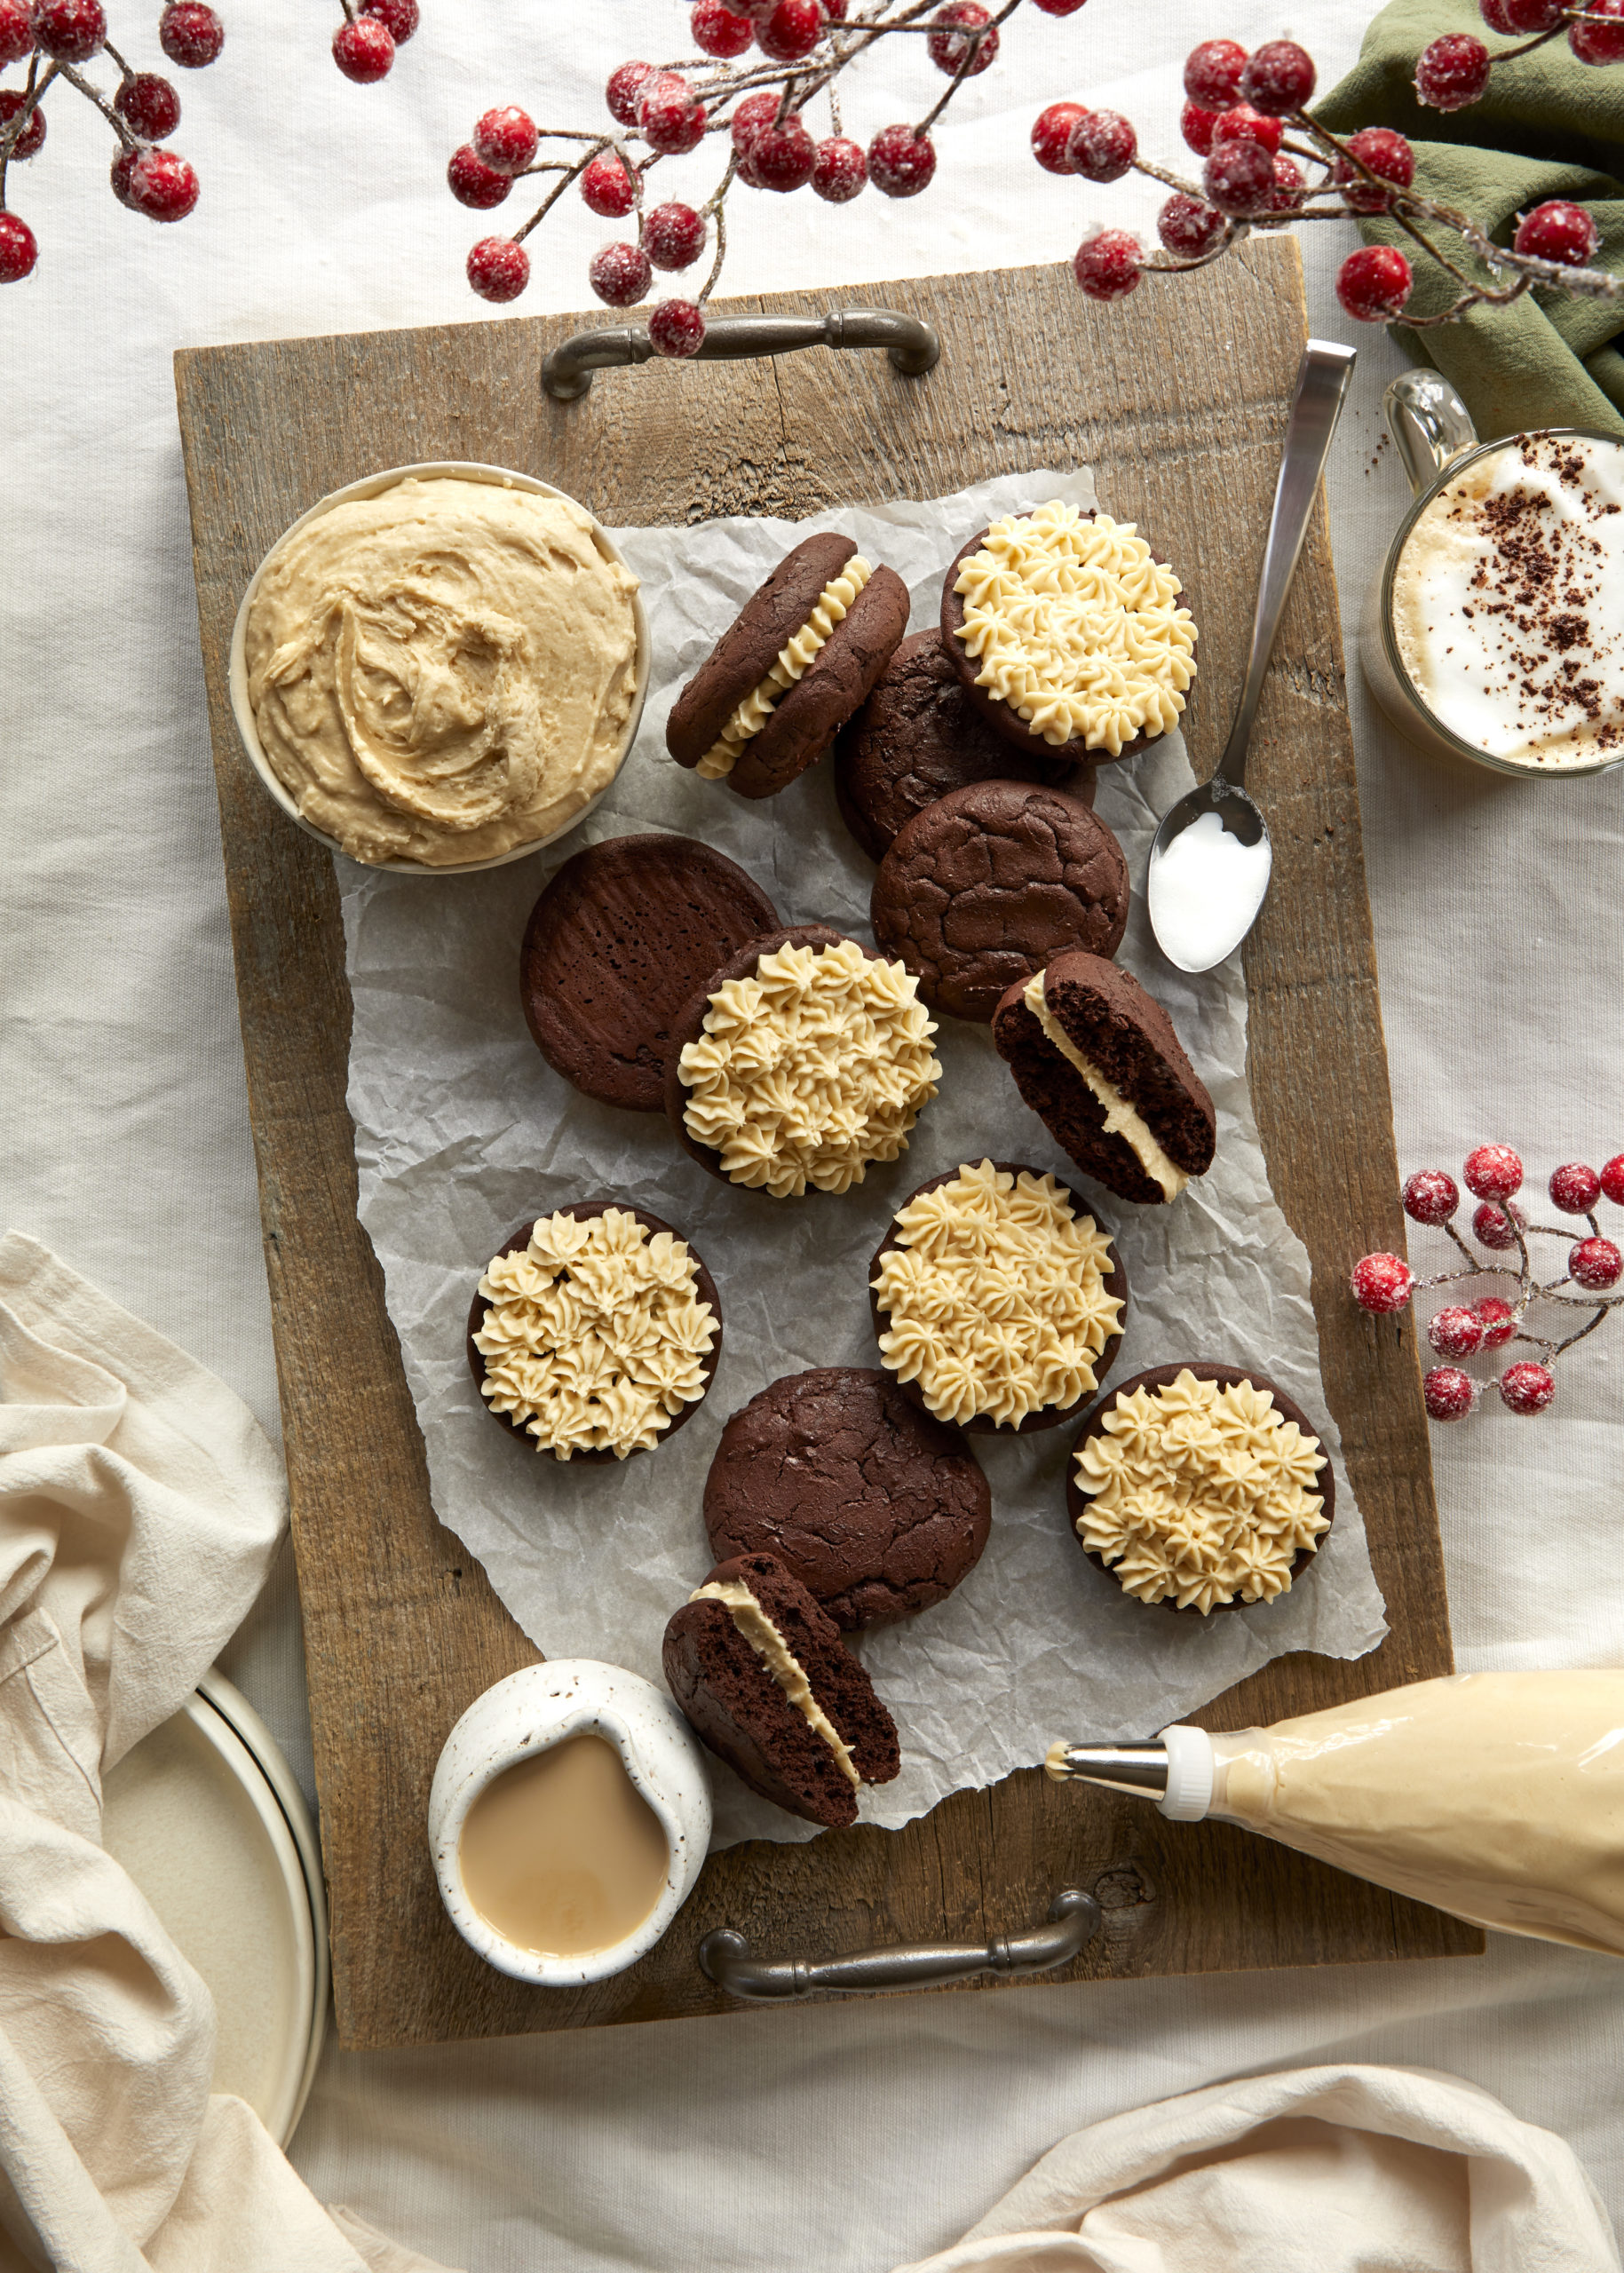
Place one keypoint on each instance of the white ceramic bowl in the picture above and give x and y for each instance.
(531, 1712)
(372, 486)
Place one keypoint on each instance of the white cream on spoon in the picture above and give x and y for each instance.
(1205, 892)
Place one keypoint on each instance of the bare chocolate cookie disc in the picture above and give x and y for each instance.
(987, 886)
(875, 1506)
(615, 949)
(918, 737)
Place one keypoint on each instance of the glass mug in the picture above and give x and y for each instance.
(1435, 440)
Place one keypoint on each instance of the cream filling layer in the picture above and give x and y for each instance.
(833, 603)
(1122, 1120)
(780, 1661)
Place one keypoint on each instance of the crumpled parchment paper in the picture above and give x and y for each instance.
(462, 1132)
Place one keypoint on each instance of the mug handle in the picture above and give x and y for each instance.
(1430, 424)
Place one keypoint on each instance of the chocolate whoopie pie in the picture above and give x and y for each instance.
(704, 1291)
(823, 596)
(1045, 1289)
(987, 886)
(875, 1506)
(616, 948)
(917, 737)
(1138, 1120)
(764, 1677)
(1152, 1560)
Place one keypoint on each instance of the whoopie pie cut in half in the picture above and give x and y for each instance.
(769, 1686)
(1098, 1060)
(798, 662)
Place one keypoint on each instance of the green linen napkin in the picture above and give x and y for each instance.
(1549, 126)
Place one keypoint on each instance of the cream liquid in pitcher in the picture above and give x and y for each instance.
(562, 1853)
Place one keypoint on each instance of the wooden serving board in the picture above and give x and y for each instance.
(1177, 399)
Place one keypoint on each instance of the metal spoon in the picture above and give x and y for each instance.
(1219, 929)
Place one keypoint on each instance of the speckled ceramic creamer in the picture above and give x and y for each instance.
(532, 1711)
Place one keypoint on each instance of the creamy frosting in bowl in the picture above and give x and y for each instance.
(440, 668)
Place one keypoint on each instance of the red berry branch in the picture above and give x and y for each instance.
(763, 91)
(1247, 116)
(1493, 1175)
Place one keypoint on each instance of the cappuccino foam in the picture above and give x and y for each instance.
(1506, 606)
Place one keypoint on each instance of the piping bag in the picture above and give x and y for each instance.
(1496, 1797)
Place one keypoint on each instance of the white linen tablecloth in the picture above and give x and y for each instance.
(857, 2137)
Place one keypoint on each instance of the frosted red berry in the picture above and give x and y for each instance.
(1453, 72)
(1497, 1320)
(782, 157)
(17, 248)
(1526, 16)
(1289, 187)
(1528, 1387)
(754, 114)
(162, 185)
(789, 34)
(756, 10)
(1373, 283)
(1051, 133)
(16, 32)
(950, 49)
(191, 35)
(364, 51)
(1387, 154)
(506, 139)
(671, 116)
(1596, 1264)
(1455, 1331)
(1496, 16)
(1381, 1283)
(1491, 1227)
(1196, 125)
(498, 268)
(1492, 1172)
(1103, 146)
(720, 31)
(1558, 230)
(1613, 1179)
(1448, 1393)
(841, 171)
(902, 163)
(148, 105)
(118, 177)
(1430, 1196)
(1188, 228)
(69, 31)
(1242, 123)
(399, 18)
(624, 90)
(673, 236)
(1602, 42)
(1212, 73)
(677, 327)
(33, 135)
(607, 186)
(1058, 7)
(1239, 178)
(619, 274)
(1278, 77)
(1107, 265)
(1574, 1188)
(474, 183)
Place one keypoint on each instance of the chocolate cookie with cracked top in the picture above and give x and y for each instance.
(704, 1289)
(615, 949)
(983, 887)
(767, 1682)
(795, 718)
(876, 1507)
(1002, 718)
(1096, 1059)
(918, 737)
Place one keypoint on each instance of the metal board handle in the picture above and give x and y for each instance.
(725, 1958)
(911, 344)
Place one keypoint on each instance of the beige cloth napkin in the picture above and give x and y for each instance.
(139, 1507)
(1316, 2170)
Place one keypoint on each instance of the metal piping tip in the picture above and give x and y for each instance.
(1141, 1769)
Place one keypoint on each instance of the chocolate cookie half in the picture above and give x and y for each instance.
(622, 1361)
(876, 1507)
(998, 1299)
(616, 948)
(763, 1675)
(799, 659)
(917, 737)
(983, 887)
(1199, 1487)
(1070, 642)
(1096, 1059)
